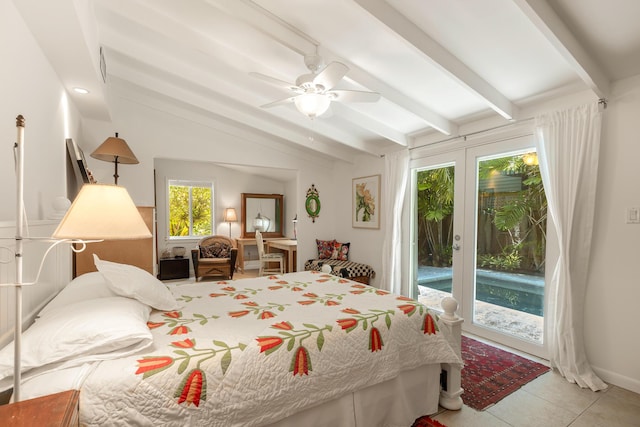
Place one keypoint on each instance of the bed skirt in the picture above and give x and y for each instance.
(394, 403)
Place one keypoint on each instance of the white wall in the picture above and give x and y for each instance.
(29, 86)
(613, 294)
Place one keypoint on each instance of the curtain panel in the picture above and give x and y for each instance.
(568, 144)
(396, 172)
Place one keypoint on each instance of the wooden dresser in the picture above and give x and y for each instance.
(60, 409)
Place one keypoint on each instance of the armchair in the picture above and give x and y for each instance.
(214, 256)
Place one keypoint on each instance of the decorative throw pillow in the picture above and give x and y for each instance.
(325, 248)
(340, 251)
(215, 250)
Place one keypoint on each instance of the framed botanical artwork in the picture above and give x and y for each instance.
(366, 202)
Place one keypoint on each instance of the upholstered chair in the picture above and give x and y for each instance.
(214, 256)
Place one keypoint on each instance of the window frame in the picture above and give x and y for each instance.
(188, 183)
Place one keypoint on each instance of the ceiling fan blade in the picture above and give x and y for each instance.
(331, 75)
(285, 101)
(354, 96)
(274, 81)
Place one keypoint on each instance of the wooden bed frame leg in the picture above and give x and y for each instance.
(451, 391)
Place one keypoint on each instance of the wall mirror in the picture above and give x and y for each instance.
(262, 212)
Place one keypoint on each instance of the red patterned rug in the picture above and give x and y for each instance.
(427, 422)
(491, 374)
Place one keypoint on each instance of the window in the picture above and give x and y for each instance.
(190, 209)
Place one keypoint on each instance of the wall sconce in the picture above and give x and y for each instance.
(115, 150)
(295, 222)
(230, 216)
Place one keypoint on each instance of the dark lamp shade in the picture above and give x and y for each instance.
(113, 147)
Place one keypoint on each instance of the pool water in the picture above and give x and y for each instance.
(520, 292)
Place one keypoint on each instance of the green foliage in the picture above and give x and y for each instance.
(190, 208)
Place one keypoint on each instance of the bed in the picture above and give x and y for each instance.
(305, 348)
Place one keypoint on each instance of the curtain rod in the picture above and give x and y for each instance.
(602, 102)
(464, 136)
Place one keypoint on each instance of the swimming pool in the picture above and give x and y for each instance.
(520, 292)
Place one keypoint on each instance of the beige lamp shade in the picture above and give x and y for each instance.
(115, 149)
(230, 215)
(102, 212)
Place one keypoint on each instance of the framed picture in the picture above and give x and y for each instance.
(366, 202)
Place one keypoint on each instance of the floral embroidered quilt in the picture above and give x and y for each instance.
(253, 351)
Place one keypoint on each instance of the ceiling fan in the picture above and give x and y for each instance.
(314, 91)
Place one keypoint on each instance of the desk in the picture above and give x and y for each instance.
(290, 247)
(241, 242)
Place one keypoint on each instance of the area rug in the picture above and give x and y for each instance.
(426, 421)
(491, 374)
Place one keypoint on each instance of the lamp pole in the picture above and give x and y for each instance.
(17, 339)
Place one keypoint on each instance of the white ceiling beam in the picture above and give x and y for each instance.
(361, 120)
(222, 107)
(282, 32)
(118, 41)
(442, 58)
(556, 32)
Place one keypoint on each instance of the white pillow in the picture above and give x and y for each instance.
(96, 329)
(87, 286)
(133, 282)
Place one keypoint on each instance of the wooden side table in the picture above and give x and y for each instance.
(173, 268)
(60, 409)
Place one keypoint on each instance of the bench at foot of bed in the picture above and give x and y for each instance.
(348, 269)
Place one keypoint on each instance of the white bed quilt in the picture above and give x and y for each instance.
(251, 352)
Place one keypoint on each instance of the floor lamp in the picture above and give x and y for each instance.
(99, 212)
(230, 216)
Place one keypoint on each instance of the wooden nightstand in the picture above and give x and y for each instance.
(60, 409)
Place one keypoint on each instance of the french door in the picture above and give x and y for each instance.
(479, 232)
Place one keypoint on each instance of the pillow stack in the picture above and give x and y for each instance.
(97, 316)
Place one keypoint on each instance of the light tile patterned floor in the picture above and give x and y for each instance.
(551, 401)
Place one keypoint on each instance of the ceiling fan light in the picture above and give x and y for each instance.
(312, 104)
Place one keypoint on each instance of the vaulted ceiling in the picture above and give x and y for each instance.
(436, 64)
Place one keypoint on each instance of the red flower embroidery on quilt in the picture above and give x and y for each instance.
(358, 286)
(240, 296)
(306, 302)
(153, 364)
(381, 292)
(250, 304)
(429, 327)
(192, 389)
(282, 282)
(347, 324)
(214, 295)
(187, 343)
(275, 288)
(179, 330)
(310, 295)
(267, 315)
(301, 363)
(285, 326)
(153, 325)
(357, 292)
(229, 288)
(331, 302)
(296, 289)
(403, 298)
(350, 311)
(172, 314)
(407, 309)
(269, 343)
(238, 313)
(375, 340)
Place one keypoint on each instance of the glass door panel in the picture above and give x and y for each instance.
(511, 221)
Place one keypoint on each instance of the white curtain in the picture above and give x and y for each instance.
(396, 170)
(568, 144)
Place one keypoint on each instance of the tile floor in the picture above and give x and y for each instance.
(547, 401)
(551, 401)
